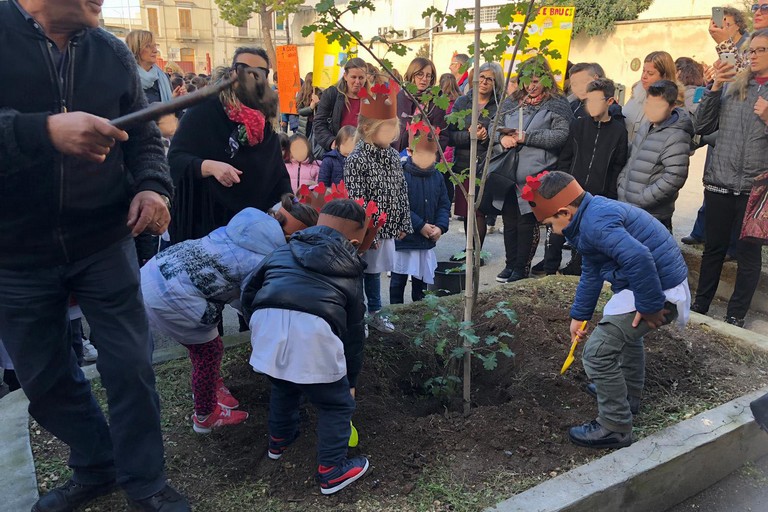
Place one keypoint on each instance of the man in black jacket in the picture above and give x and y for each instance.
(73, 191)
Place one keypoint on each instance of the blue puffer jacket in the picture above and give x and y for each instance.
(429, 205)
(332, 168)
(627, 247)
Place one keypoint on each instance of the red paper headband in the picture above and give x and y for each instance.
(542, 207)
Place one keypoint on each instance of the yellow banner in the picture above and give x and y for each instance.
(555, 23)
(329, 62)
(288, 79)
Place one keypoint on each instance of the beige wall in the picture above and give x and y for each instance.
(681, 38)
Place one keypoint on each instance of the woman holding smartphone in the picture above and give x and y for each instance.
(738, 105)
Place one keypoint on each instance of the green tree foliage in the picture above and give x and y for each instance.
(597, 17)
(238, 12)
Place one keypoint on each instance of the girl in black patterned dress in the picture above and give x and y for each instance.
(373, 171)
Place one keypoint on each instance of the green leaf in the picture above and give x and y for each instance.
(442, 102)
(308, 29)
(506, 351)
(417, 366)
(491, 340)
(489, 361)
(440, 346)
(418, 341)
(469, 335)
(411, 88)
(459, 352)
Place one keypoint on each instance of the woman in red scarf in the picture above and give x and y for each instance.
(225, 156)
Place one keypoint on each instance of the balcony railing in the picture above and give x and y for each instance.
(184, 34)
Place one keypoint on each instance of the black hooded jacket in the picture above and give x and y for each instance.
(317, 272)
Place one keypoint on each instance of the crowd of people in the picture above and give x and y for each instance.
(295, 231)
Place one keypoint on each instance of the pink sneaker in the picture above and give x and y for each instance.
(224, 397)
(220, 417)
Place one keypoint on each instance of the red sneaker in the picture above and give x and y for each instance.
(334, 478)
(224, 397)
(220, 417)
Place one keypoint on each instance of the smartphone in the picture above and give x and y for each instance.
(717, 16)
(507, 131)
(728, 58)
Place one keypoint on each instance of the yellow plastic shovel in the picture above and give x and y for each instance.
(569, 359)
(353, 438)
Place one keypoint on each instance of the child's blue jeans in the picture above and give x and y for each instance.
(372, 285)
(334, 405)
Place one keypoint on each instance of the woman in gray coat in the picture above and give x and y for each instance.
(740, 110)
(546, 117)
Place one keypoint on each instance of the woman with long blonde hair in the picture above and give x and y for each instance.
(737, 106)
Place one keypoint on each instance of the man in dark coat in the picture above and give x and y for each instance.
(74, 191)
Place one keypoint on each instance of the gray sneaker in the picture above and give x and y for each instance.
(381, 323)
(90, 354)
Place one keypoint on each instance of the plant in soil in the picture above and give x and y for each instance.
(454, 339)
(425, 454)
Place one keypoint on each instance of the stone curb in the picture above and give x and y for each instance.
(666, 468)
(657, 472)
(18, 485)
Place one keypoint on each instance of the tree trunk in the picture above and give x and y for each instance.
(266, 34)
(471, 283)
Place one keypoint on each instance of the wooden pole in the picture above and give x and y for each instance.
(469, 284)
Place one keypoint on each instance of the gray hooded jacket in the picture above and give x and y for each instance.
(658, 165)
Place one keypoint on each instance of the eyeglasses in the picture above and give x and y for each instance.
(757, 51)
(421, 74)
(239, 66)
(486, 79)
(762, 8)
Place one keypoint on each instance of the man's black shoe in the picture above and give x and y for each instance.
(738, 322)
(634, 401)
(166, 500)
(71, 496)
(594, 435)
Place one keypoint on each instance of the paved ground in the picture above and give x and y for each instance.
(745, 490)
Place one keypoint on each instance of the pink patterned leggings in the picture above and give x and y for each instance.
(206, 367)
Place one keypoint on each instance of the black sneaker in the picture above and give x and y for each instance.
(691, 240)
(634, 401)
(71, 496)
(166, 500)
(594, 435)
(698, 308)
(516, 276)
(538, 269)
(738, 322)
(504, 275)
